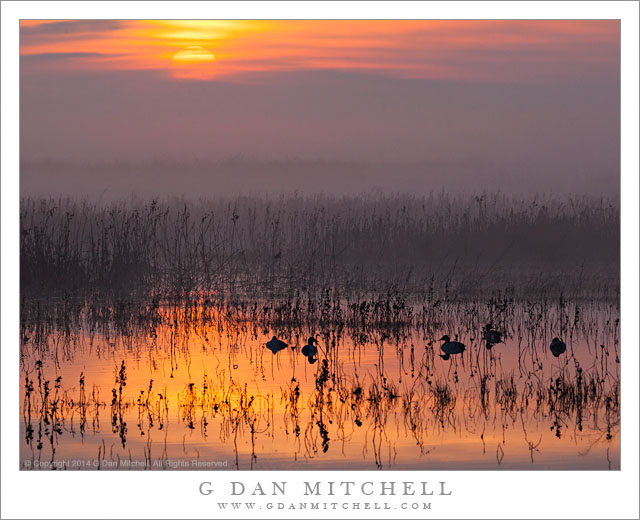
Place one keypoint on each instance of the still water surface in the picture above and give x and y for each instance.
(194, 387)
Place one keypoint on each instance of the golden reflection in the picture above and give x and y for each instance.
(165, 383)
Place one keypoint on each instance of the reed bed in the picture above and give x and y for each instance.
(451, 247)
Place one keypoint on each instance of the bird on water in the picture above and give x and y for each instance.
(310, 349)
(275, 345)
(491, 336)
(557, 347)
(450, 347)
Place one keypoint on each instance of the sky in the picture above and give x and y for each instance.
(193, 106)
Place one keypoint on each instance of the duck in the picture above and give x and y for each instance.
(491, 336)
(557, 347)
(276, 345)
(450, 347)
(310, 349)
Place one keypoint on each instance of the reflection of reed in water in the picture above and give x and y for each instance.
(418, 395)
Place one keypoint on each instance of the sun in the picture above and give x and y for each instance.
(193, 62)
(193, 55)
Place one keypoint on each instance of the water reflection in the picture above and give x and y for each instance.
(146, 385)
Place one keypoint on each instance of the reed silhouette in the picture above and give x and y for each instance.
(450, 246)
(369, 387)
(144, 330)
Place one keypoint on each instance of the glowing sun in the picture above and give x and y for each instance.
(193, 55)
(193, 62)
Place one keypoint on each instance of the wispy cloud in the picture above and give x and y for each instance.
(463, 50)
(55, 56)
(68, 27)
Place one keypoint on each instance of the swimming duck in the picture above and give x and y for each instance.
(450, 347)
(491, 336)
(310, 349)
(557, 347)
(275, 345)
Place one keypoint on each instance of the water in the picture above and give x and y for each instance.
(159, 385)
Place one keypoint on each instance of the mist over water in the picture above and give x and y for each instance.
(464, 246)
(89, 133)
(112, 181)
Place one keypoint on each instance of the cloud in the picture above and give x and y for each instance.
(507, 51)
(53, 56)
(70, 27)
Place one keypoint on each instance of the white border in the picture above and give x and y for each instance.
(174, 495)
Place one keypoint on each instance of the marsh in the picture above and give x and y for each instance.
(145, 333)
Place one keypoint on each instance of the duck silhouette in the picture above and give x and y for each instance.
(450, 347)
(491, 336)
(275, 345)
(557, 347)
(310, 349)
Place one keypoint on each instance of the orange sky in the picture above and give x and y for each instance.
(471, 98)
(208, 49)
